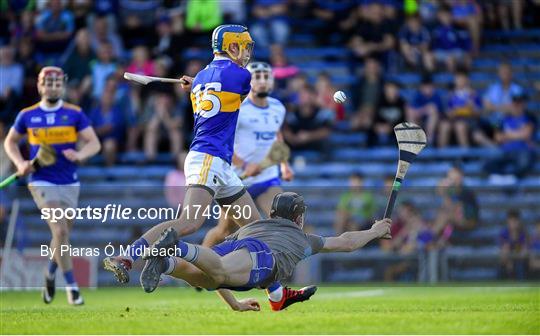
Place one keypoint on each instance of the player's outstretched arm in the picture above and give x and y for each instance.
(353, 240)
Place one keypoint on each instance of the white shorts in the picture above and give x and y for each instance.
(45, 193)
(212, 172)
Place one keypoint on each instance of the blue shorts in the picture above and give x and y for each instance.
(261, 255)
(256, 189)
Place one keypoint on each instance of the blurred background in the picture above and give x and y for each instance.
(467, 71)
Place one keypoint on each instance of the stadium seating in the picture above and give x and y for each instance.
(134, 185)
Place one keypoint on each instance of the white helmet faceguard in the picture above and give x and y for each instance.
(261, 74)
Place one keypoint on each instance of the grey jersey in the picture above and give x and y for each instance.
(288, 243)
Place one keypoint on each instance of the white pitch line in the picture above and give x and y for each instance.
(353, 294)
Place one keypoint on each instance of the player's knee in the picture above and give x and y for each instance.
(60, 232)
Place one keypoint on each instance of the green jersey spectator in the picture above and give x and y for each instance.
(356, 206)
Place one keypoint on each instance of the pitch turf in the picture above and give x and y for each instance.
(358, 309)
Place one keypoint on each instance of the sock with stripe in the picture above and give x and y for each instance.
(170, 264)
(70, 280)
(187, 251)
(136, 249)
(275, 292)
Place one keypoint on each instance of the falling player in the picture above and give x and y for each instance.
(279, 241)
(59, 124)
(259, 123)
(216, 94)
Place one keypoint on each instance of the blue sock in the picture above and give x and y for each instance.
(187, 251)
(52, 269)
(70, 279)
(274, 291)
(136, 249)
(273, 286)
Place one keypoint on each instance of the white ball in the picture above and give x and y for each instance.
(340, 97)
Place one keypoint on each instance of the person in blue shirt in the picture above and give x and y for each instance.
(515, 139)
(109, 123)
(450, 45)
(414, 43)
(427, 107)
(54, 29)
(463, 110)
(61, 125)
(497, 102)
(513, 247)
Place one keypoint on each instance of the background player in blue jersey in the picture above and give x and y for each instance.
(59, 124)
(216, 94)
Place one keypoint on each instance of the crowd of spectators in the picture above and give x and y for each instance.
(415, 232)
(96, 41)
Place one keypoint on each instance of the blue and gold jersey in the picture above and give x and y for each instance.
(216, 95)
(57, 127)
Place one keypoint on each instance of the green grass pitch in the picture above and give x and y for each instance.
(361, 309)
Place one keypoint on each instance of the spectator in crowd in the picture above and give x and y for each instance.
(175, 182)
(467, 14)
(459, 209)
(141, 63)
(81, 12)
(427, 9)
(138, 20)
(11, 85)
(449, 44)
(325, 96)
(462, 112)
(534, 251)
(78, 61)
(336, 17)
(410, 234)
(373, 36)
(281, 68)
(290, 95)
(169, 43)
(356, 207)
(366, 95)
(270, 24)
(161, 111)
(191, 69)
(307, 127)
(23, 28)
(516, 141)
(414, 43)
(108, 121)
(497, 102)
(517, 13)
(101, 31)
(25, 57)
(102, 68)
(234, 11)
(390, 112)
(54, 29)
(201, 18)
(426, 107)
(513, 244)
